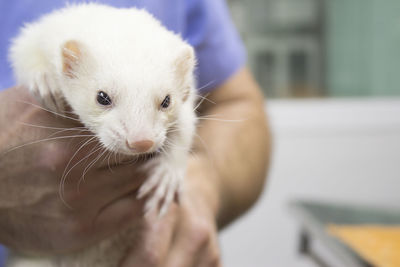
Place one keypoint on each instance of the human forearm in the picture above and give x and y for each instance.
(234, 145)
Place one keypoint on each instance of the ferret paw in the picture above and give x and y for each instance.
(165, 181)
(45, 90)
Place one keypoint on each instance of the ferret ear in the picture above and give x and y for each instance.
(184, 67)
(185, 63)
(71, 56)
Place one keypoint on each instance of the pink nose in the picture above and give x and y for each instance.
(140, 146)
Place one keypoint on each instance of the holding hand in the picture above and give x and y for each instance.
(33, 216)
(187, 235)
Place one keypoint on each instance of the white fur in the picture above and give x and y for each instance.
(133, 58)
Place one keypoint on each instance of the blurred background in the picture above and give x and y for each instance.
(331, 72)
(322, 48)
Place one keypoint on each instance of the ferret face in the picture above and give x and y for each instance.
(132, 110)
(133, 123)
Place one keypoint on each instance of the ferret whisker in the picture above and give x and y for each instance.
(64, 177)
(115, 158)
(218, 119)
(171, 124)
(173, 145)
(82, 179)
(118, 159)
(166, 149)
(198, 105)
(207, 84)
(178, 129)
(108, 160)
(149, 156)
(63, 180)
(87, 168)
(163, 150)
(55, 128)
(132, 161)
(70, 112)
(66, 130)
(145, 157)
(111, 150)
(173, 131)
(50, 111)
(121, 158)
(105, 157)
(44, 140)
(90, 140)
(101, 153)
(204, 145)
(204, 98)
(98, 145)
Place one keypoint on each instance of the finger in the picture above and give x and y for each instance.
(123, 180)
(183, 255)
(153, 246)
(117, 215)
(103, 187)
(211, 256)
(187, 248)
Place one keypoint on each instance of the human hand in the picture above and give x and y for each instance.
(33, 217)
(187, 234)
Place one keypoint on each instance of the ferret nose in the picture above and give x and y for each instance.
(140, 146)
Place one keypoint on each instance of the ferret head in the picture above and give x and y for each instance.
(133, 101)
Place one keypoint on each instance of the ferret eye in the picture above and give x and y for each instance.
(165, 103)
(103, 99)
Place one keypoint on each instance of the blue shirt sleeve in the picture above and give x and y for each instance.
(2, 256)
(219, 49)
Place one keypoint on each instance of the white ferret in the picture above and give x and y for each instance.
(130, 81)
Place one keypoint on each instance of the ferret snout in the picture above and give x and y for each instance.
(140, 146)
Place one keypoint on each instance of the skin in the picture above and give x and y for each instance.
(225, 176)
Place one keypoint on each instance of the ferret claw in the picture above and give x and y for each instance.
(165, 182)
(149, 185)
(42, 88)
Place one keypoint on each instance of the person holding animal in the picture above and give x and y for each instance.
(224, 172)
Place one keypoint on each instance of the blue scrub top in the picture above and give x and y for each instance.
(2, 255)
(205, 24)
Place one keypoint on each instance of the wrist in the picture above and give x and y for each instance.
(202, 184)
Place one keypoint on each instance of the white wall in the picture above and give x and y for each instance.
(332, 150)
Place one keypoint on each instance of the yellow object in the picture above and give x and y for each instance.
(377, 244)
